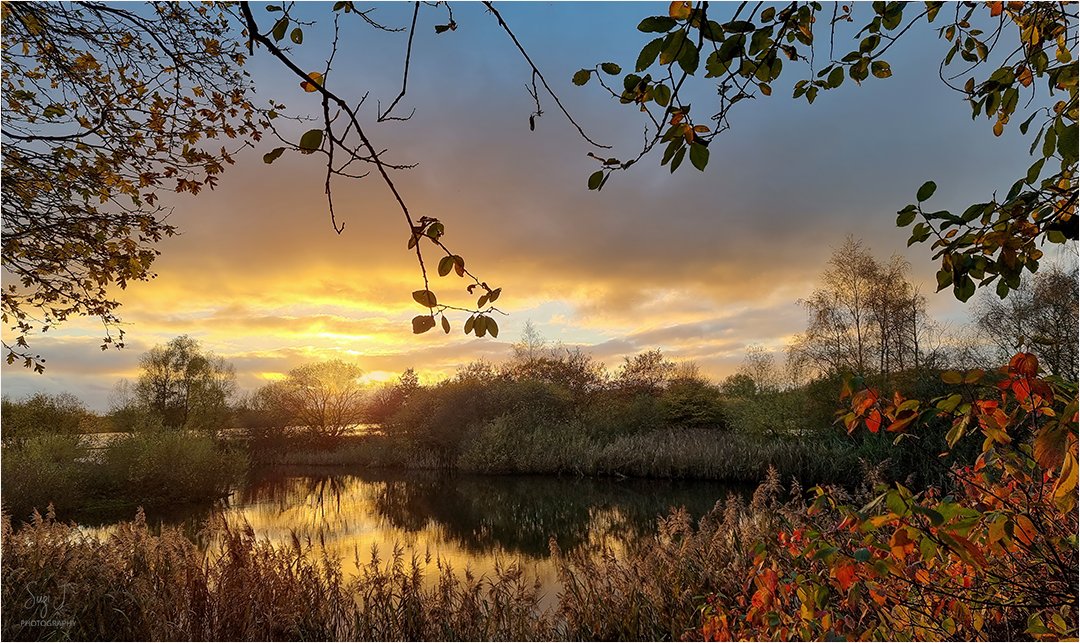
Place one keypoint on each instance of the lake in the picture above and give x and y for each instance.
(465, 520)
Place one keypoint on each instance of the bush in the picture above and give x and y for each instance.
(44, 470)
(157, 468)
(693, 404)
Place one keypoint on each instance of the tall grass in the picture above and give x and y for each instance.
(137, 585)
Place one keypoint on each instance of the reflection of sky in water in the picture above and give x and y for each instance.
(464, 521)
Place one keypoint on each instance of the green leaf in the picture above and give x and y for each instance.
(492, 327)
(273, 155)
(862, 554)
(699, 156)
(738, 26)
(446, 264)
(673, 47)
(656, 24)
(595, 178)
(716, 64)
(662, 95)
(280, 26)
(1034, 171)
(311, 140)
(480, 326)
(944, 279)
(880, 69)
(952, 377)
(297, 36)
(482, 301)
(494, 294)
(469, 324)
(581, 77)
(422, 324)
(926, 191)
(689, 58)
(649, 53)
(677, 160)
(1068, 142)
(964, 289)
(836, 77)
(905, 218)
(610, 68)
(425, 298)
(446, 325)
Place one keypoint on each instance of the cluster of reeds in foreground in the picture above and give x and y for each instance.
(60, 583)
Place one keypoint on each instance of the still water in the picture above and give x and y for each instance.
(466, 521)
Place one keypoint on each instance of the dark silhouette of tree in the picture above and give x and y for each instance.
(323, 400)
(106, 107)
(184, 387)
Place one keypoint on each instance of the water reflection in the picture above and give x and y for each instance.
(464, 521)
(478, 515)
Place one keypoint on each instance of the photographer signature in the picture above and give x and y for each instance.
(43, 605)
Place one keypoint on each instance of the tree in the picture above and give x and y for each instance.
(184, 387)
(644, 374)
(1016, 48)
(42, 413)
(1040, 316)
(760, 366)
(865, 317)
(106, 107)
(323, 400)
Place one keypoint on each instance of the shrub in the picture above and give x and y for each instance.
(993, 556)
(158, 468)
(44, 470)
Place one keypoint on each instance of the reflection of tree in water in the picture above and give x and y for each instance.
(482, 514)
(520, 514)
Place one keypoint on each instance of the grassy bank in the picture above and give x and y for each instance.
(143, 469)
(662, 453)
(137, 585)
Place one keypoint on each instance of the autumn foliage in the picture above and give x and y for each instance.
(993, 556)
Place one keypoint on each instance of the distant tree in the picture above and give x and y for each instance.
(1040, 316)
(107, 106)
(184, 387)
(646, 373)
(384, 402)
(324, 399)
(739, 385)
(41, 414)
(760, 366)
(690, 400)
(864, 317)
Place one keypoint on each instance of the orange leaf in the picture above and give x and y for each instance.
(1025, 77)
(310, 87)
(845, 576)
(679, 10)
(1024, 530)
(873, 421)
(995, 9)
(1024, 365)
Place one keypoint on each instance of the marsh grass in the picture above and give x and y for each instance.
(134, 584)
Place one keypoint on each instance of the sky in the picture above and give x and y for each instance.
(700, 265)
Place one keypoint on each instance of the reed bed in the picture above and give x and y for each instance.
(60, 583)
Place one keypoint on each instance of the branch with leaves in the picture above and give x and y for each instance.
(352, 142)
(992, 241)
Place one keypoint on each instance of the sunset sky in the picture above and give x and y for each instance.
(697, 264)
